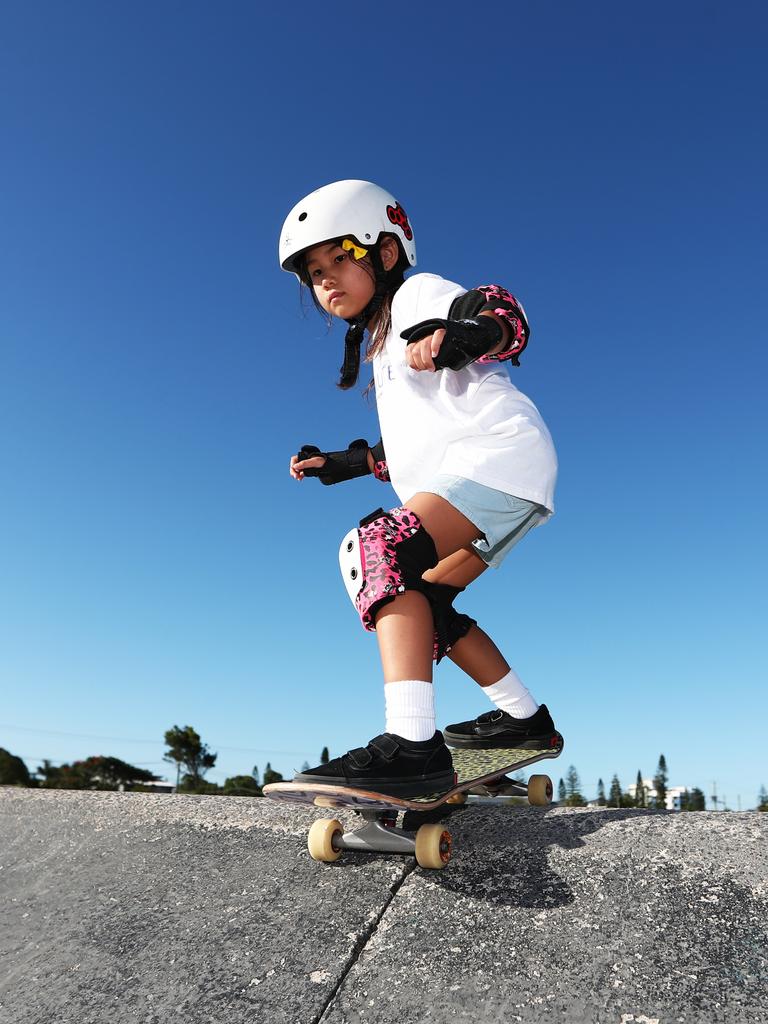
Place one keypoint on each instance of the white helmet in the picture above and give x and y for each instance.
(353, 209)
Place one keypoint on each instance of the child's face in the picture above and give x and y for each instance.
(342, 285)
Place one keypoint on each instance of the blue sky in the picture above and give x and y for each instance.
(158, 566)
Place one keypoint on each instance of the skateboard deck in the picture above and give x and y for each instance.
(483, 771)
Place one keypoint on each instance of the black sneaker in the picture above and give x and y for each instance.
(390, 764)
(498, 729)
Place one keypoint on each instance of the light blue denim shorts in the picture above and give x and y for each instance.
(503, 518)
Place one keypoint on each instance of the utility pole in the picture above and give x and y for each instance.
(713, 798)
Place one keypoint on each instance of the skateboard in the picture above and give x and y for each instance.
(477, 772)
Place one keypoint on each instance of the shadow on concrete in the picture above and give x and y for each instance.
(502, 852)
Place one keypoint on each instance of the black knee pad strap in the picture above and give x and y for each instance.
(450, 625)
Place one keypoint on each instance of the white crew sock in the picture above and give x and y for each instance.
(511, 696)
(410, 709)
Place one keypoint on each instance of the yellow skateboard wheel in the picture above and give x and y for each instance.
(433, 846)
(320, 840)
(540, 790)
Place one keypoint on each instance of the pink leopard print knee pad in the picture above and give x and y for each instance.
(385, 556)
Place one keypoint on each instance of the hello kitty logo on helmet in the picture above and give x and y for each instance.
(398, 216)
(354, 209)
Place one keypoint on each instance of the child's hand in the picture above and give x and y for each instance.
(462, 341)
(420, 355)
(299, 466)
(333, 467)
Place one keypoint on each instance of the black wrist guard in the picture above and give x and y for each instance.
(464, 341)
(339, 466)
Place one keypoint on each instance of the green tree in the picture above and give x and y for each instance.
(325, 756)
(660, 783)
(693, 800)
(615, 796)
(46, 772)
(186, 750)
(13, 771)
(198, 786)
(561, 794)
(108, 773)
(255, 775)
(762, 799)
(241, 785)
(641, 799)
(573, 789)
(698, 800)
(112, 773)
(601, 801)
(271, 776)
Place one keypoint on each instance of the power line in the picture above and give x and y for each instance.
(55, 761)
(130, 739)
(75, 735)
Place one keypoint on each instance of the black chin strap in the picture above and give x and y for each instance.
(356, 331)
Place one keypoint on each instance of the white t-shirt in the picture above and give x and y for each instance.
(472, 423)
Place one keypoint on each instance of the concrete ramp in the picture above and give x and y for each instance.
(118, 908)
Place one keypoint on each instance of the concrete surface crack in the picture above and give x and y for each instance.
(361, 942)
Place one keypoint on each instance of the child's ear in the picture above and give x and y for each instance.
(389, 253)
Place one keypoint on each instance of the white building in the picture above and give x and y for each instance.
(159, 786)
(674, 794)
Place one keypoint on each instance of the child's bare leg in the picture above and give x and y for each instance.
(405, 631)
(475, 653)
(405, 627)
(457, 570)
(478, 656)
(408, 627)
(406, 651)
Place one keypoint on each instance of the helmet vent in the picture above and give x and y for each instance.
(302, 216)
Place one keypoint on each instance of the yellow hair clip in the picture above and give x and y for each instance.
(356, 251)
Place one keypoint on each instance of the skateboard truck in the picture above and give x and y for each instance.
(431, 845)
(378, 835)
(503, 787)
